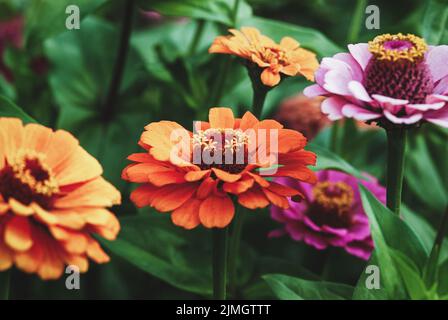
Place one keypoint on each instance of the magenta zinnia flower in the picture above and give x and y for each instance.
(331, 213)
(394, 79)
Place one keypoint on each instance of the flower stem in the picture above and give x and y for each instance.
(120, 62)
(197, 36)
(5, 283)
(220, 263)
(355, 25)
(259, 97)
(234, 250)
(396, 146)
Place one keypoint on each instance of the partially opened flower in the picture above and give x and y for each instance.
(394, 80)
(10, 35)
(271, 58)
(52, 201)
(331, 213)
(199, 191)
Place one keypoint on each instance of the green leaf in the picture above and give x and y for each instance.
(389, 233)
(10, 110)
(411, 276)
(79, 79)
(291, 288)
(155, 246)
(426, 152)
(221, 11)
(46, 18)
(307, 37)
(4, 284)
(435, 22)
(443, 278)
(328, 160)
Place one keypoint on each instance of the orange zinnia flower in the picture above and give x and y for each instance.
(201, 193)
(52, 199)
(287, 57)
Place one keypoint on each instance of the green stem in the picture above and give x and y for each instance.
(258, 99)
(120, 62)
(234, 250)
(396, 146)
(430, 271)
(220, 263)
(197, 36)
(235, 12)
(335, 133)
(5, 284)
(355, 25)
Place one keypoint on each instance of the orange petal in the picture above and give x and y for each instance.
(172, 196)
(52, 265)
(72, 240)
(239, 186)
(270, 78)
(187, 215)
(221, 118)
(258, 179)
(36, 137)
(18, 233)
(19, 208)
(206, 188)
(95, 252)
(253, 199)
(165, 137)
(79, 167)
(289, 44)
(142, 196)
(290, 140)
(301, 157)
(6, 258)
(297, 172)
(192, 176)
(225, 176)
(11, 130)
(283, 190)
(142, 157)
(30, 260)
(97, 192)
(216, 211)
(248, 121)
(276, 199)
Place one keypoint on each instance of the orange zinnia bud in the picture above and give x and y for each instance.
(52, 200)
(177, 175)
(286, 58)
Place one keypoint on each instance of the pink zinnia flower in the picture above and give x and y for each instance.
(394, 79)
(331, 213)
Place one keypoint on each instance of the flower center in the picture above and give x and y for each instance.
(398, 69)
(333, 197)
(332, 203)
(274, 56)
(225, 149)
(27, 179)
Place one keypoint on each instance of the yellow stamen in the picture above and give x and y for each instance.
(23, 172)
(417, 51)
(334, 196)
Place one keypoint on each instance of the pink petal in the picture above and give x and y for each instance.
(437, 59)
(403, 120)
(361, 53)
(314, 91)
(388, 100)
(358, 91)
(355, 69)
(439, 117)
(426, 106)
(359, 113)
(442, 86)
(332, 107)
